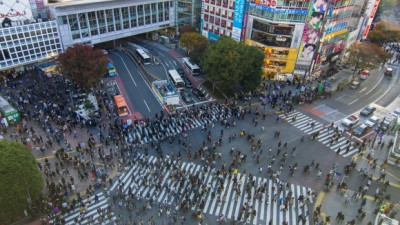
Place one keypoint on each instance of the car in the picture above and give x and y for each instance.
(199, 93)
(186, 97)
(396, 112)
(355, 84)
(188, 84)
(372, 121)
(360, 130)
(368, 111)
(180, 71)
(350, 121)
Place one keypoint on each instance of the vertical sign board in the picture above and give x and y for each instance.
(238, 19)
(311, 33)
(371, 18)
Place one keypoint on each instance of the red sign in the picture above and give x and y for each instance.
(10, 14)
(268, 3)
(373, 11)
(366, 30)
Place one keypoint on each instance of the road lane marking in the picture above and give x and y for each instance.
(353, 102)
(146, 105)
(377, 83)
(175, 63)
(362, 90)
(133, 80)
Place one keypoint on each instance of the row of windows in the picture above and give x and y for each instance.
(30, 27)
(219, 22)
(341, 15)
(343, 3)
(219, 12)
(223, 3)
(273, 28)
(49, 32)
(25, 59)
(100, 22)
(217, 30)
(284, 17)
(24, 47)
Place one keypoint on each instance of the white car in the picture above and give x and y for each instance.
(372, 121)
(350, 121)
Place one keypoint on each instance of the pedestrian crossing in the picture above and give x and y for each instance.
(146, 133)
(279, 202)
(311, 126)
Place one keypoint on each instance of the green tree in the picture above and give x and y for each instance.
(192, 40)
(83, 65)
(20, 179)
(186, 28)
(232, 65)
(384, 32)
(366, 55)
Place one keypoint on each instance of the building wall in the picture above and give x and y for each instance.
(217, 18)
(97, 22)
(277, 30)
(26, 44)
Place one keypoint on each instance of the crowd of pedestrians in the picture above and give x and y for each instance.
(47, 106)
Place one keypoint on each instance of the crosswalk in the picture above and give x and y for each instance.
(146, 133)
(268, 205)
(303, 122)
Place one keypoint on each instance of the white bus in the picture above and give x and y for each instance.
(143, 56)
(176, 80)
(194, 69)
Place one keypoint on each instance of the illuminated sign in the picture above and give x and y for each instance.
(238, 19)
(373, 11)
(268, 3)
(286, 11)
(281, 38)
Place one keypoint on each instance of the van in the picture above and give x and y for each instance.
(389, 121)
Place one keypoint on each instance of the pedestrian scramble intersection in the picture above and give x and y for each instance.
(268, 207)
(304, 123)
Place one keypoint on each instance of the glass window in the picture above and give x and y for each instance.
(110, 22)
(117, 18)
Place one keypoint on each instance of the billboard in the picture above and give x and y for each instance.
(15, 10)
(238, 19)
(311, 32)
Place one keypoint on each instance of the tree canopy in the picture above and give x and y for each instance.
(233, 65)
(365, 55)
(20, 179)
(384, 32)
(83, 65)
(193, 41)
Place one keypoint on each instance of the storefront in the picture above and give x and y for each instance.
(49, 68)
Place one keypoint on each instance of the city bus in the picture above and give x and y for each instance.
(111, 70)
(176, 80)
(193, 68)
(9, 113)
(143, 56)
(122, 107)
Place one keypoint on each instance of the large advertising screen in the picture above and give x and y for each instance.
(311, 33)
(15, 10)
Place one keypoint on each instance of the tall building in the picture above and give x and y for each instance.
(335, 33)
(217, 18)
(276, 28)
(27, 36)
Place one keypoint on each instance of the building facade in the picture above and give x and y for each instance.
(334, 37)
(92, 22)
(188, 12)
(26, 34)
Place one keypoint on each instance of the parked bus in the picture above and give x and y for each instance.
(194, 69)
(9, 113)
(122, 108)
(144, 58)
(176, 80)
(111, 70)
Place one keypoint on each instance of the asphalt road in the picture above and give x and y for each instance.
(140, 95)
